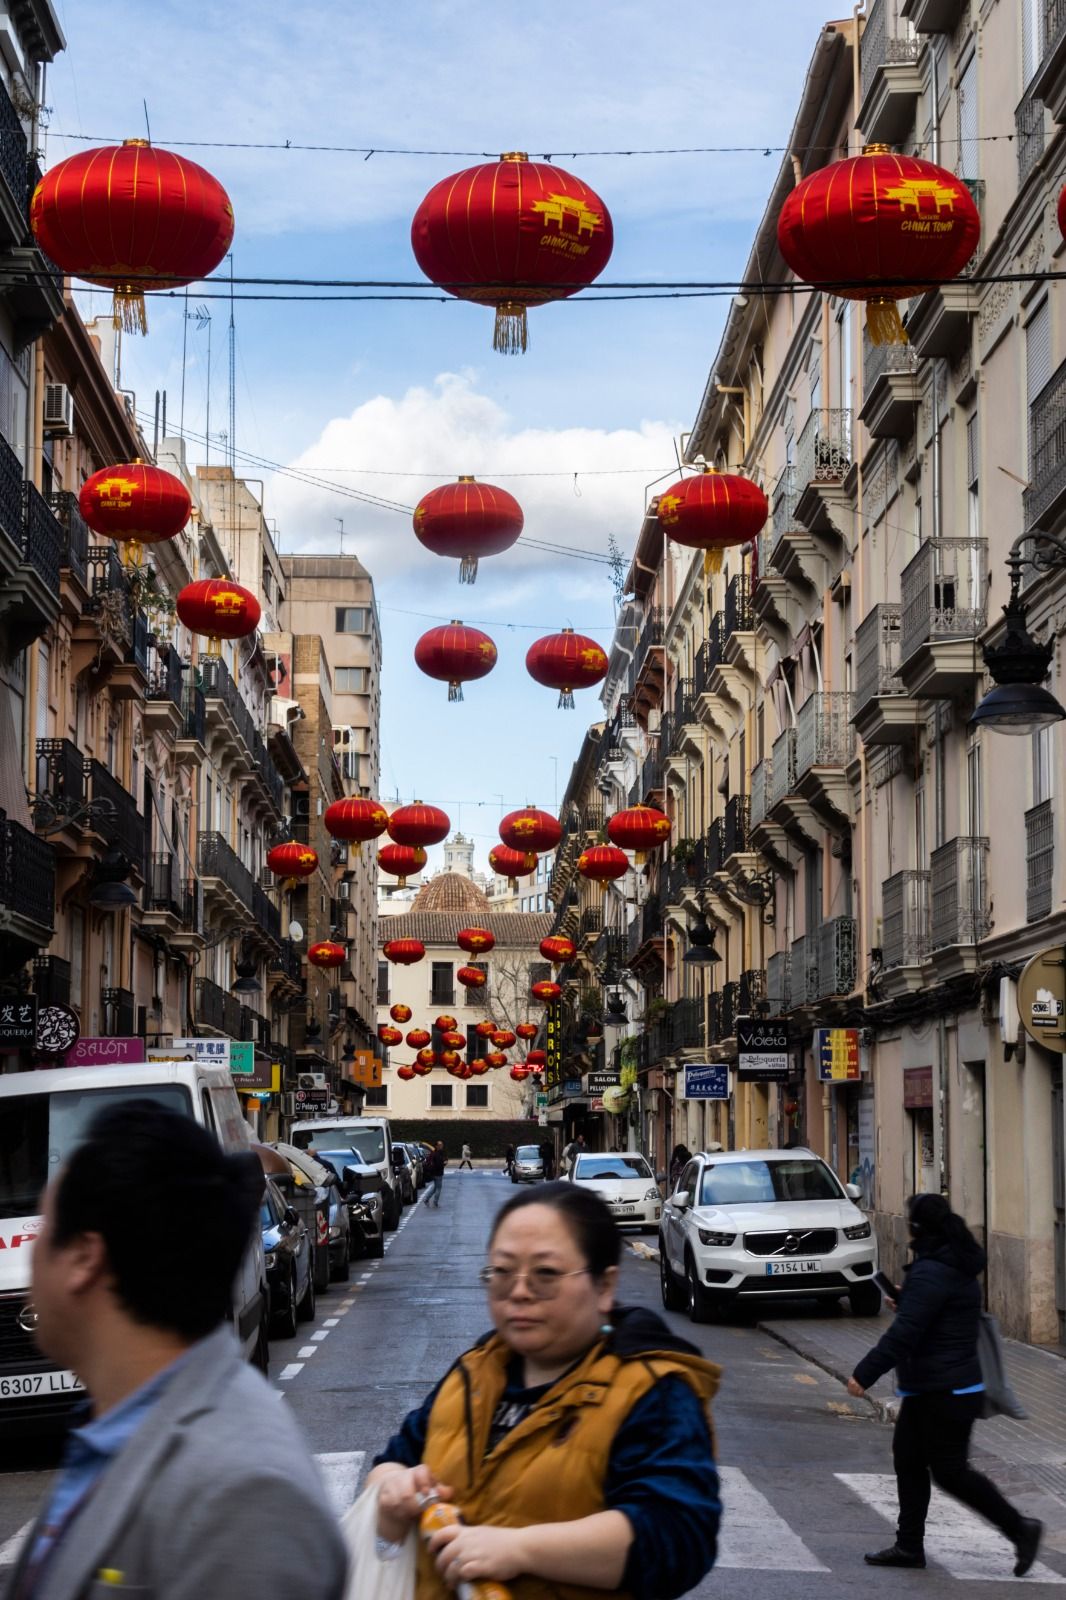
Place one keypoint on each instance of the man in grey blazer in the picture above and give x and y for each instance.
(189, 1481)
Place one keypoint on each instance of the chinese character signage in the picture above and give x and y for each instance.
(836, 1055)
(209, 1052)
(708, 1081)
(762, 1050)
(18, 1022)
(242, 1059)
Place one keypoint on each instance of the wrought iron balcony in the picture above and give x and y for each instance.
(824, 734)
(835, 941)
(1045, 498)
(779, 982)
(782, 779)
(194, 713)
(27, 883)
(217, 860)
(119, 1010)
(121, 823)
(959, 892)
(165, 681)
(14, 157)
(783, 508)
(650, 638)
(877, 645)
(716, 846)
(289, 963)
(1039, 861)
(729, 995)
(752, 993)
(943, 590)
(216, 1009)
(1029, 135)
(686, 1024)
(590, 924)
(905, 919)
(651, 774)
(51, 980)
(646, 926)
(43, 539)
(714, 1017)
(737, 827)
(890, 389)
(709, 655)
(823, 451)
(162, 884)
(891, 81)
(738, 618)
(61, 774)
(74, 550)
(761, 779)
(216, 680)
(803, 969)
(684, 709)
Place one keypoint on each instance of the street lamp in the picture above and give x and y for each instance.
(109, 891)
(701, 951)
(1019, 704)
(246, 968)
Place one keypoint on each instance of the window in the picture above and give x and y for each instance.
(477, 1094)
(442, 984)
(383, 983)
(973, 473)
(351, 680)
(352, 619)
(440, 1094)
(967, 160)
(975, 790)
(1037, 359)
(1032, 38)
(1042, 758)
(378, 1096)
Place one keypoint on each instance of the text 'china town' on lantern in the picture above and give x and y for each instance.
(356, 821)
(135, 503)
(401, 861)
(512, 233)
(219, 609)
(712, 512)
(455, 654)
(566, 661)
(468, 520)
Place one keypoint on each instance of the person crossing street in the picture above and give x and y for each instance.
(436, 1162)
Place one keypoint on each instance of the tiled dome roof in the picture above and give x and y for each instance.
(453, 893)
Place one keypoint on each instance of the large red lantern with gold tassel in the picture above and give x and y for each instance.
(712, 512)
(640, 828)
(219, 608)
(292, 859)
(879, 227)
(472, 978)
(469, 520)
(452, 1039)
(511, 864)
(389, 1036)
(475, 941)
(132, 218)
(503, 1039)
(566, 661)
(512, 233)
(527, 1030)
(419, 824)
(557, 949)
(603, 863)
(327, 955)
(401, 861)
(455, 654)
(496, 1058)
(479, 1066)
(356, 820)
(136, 503)
(400, 1013)
(446, 1023)
(426, 1058)
(545, 991)
(403, 952)
(419, 1038)
(531, 830)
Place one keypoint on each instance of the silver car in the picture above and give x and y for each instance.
(528, 1166)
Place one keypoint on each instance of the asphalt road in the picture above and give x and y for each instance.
(806, 1472)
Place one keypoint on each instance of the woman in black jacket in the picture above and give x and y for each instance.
(933, 1346)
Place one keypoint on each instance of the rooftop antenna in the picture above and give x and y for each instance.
(202, 318)
(340, 523)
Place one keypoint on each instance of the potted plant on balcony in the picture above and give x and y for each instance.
(684, 852)
(655, 1010)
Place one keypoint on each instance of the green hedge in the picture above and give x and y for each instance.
(487, 1140)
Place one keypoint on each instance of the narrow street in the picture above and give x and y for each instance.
(806, 1472)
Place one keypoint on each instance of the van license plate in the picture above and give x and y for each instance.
(782, 1269)
(17, 1384)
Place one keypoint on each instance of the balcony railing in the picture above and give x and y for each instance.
(217, 684)
(823, 451)
(737, 826)
(779, 982)
(165, 681)
(728, 1008)
(138, 647)
(43, 539)
(289, 961)
(684, 702)
(13, 152)
(11, 486)
(959, 892)
(194, 713)
(782, 767)
(738, 605)
(217, 1009)
(1039, 861)
(905, 918)
(74, 551)
(1047, 449)
(218, 860)
(591, 923)
(880, 360)
(716, 845)
(943, 592)
(761, 775)
(123, 824)
(836, 941)
(709, 655)
(162, 884)
(1028, 135)
(651, 773)
(884, 43)
(877, 656)
(783, 512)
(61, 773)
(441, 992)
(824, 734)
(27, 874)
(650, 638)
(752, 991)
(51, 981)
(119, 1007)
(803, 967)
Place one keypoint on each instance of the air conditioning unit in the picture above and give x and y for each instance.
(312, 1080)
(288, 1105)
(344, 890)
(58, 411)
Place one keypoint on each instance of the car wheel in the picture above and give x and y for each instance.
(865, 1300)
(391, 1218)
(261, 1353)
(375, 1248)
(322, 1270)
(305, 1311)
(342, 1273)
(698, 1308)
(285, 1319)
(673, 1299)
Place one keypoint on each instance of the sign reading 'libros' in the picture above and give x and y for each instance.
(762, 1050)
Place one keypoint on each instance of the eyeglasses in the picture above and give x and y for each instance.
(543, 1283)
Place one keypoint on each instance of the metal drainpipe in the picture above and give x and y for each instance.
(940, 1099)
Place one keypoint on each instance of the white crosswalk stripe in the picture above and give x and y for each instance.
(955, 1538)
(340, 1470)
(753, 1535)
(10, 1548)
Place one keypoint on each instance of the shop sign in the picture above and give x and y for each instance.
(18, 1022)
(917, 1088)
(1042, 998)
(94, 1052)
(242, 1060)
(572, 1086)
(308, 1099)
(367, 1070)
(599, 1081)
(57, 1029)
(763, 1050)
(836, 1055)
(706, 1081)
(259, 1078)
(553, 1045)
(209, 1052)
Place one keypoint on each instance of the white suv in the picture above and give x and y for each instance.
(755, 1224)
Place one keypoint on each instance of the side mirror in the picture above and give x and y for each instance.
(853, 1191)
(292, 1217)
(681, 1200)
(660, 1177)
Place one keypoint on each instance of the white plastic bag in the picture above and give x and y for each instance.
(370, 1578)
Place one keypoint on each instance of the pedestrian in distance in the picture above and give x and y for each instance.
(546, 1151)
(436, 1161)
(575, 1439)
(188, 1478)
(932, 1343)
(464, 1159)
(571, 1153)
(508, 1159)
(678, 1162)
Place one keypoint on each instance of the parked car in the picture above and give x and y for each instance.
(404, 1164)
(339, 1233)
(371, 1139)
(361, 1187)
(626, 1183)
(528, 1164)
(417, 1152)
(311, 1207)
(289, 1257)
(760, 1224)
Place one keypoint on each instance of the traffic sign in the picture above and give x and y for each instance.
(1042, 998)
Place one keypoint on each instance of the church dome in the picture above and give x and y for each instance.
(453, 893)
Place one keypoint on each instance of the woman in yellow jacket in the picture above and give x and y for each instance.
(575, 1440)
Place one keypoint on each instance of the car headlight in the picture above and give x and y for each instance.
(861, 1230)
(652, 1194)
(334, 1232)
(709, 1237)
(270, 1260)
(373, 1201)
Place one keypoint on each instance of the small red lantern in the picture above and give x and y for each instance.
(452, 1039)
(503, 1039)
(219, 608)
(485, 1029)
(389, 1037)
(400, 1013)
(531, 831)
(132, 218)
(468, 520)
(527, 1030)
(496, 1058)
(426, 1058)
(292, 859)
(421, 1069)
(479, 1066)
(475, 940)
(537, 1058)
(511, 864)
(712, 512)
(327, 955)
(455, 654)
(355, 821)
(446, 1023)
(401, 860)
(545, 991)
(641, 828)
(472, 977)
(403, 952)
(406, 1073)
(879, 227)
(449, 1059)
(136, 503)
(558, 949)
(419, 824)
(419, 1038)
(519, 1074)
(603, 863)
(566, 661)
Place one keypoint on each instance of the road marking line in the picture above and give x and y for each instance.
(342, 1311)
(753, 1535)
(290, 1371)
(9, 1552)
(323, 1333)
(340, 1471)
(329, 1322)
(955, 1537)
(308, 1350)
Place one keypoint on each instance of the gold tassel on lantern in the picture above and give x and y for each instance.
(468, 569)
(455, 691)
(127, 309)
(884, 324)
(511, 333)
(712, 561)
(566, 700)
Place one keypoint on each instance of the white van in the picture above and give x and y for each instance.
(43, 1115)
(371, 1139)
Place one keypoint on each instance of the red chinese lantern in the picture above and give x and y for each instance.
(465, 1071)
(537, 1058)
(503, 1039)
(389, 1037)
(452, 1039)
(485, 1029)
(327, 955)
(468, 520)
(403, 952)
(712, 512)
(496, 1058)
(400, 1013)
(419, 824)
(455, 654)
(641, 829)
(292, 859)
(446, 1023)
(132, 218)
(511, 864)
(602, 863)
(219, 608)
(426, 1058)
(401, 861)
(531, 831)
(557, 949)
(519, 1074)
(479, 1066)
(137, 503)
(355, 821)
(545, 991)
(475, 940)
(449, 1059)
(406, 1073)
(566, 661)
(472, 977)
(421, 1069)
(536, 1071)
(419, 1038)
(527, 1030)
(512, 233)
(879, 227)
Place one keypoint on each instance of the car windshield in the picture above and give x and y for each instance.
(339, 1159)
(369, 1141)
(740, 1183)
(39, 1131)
(616, 1166)
(528, 1152)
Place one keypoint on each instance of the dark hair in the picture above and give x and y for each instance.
(174, 1211)
(591, 1225)
(930, 1217)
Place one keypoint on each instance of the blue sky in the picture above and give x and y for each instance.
(389, 400)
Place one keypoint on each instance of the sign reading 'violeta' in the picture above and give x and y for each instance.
(763, 1050)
